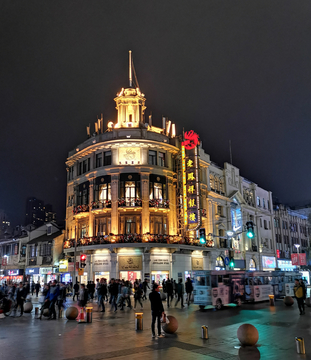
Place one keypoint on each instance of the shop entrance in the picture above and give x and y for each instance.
(159, 276)
(130, 275)
(102, 275)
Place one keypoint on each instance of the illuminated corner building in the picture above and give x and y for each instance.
(137, 196)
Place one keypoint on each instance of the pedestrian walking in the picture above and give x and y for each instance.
(180, 293)
(157, 310)
(145, 287)
(76, 289)
(169, 292)
(137, 297)
(101, 293)
(83, 296)
(52, 296)
(114, 294)
(189, 289)
(37, 287)
(32, 288)
(61, 299)
(20, 296)
(299, 294)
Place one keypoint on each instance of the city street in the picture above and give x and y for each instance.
(113, 335)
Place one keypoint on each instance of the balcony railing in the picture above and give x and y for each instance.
(136, 238)
(80, 209)
(129, 202)
(159, 203)
(101, 204)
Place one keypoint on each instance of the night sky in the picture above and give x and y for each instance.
(226, 69)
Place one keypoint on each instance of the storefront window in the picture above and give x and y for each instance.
(159, 276)
(220, 265)
(130, 275)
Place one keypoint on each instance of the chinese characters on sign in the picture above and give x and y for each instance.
(299, 259)
(190, 164)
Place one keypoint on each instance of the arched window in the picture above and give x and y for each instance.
(252, 265)
(211, 182)
(220, 265)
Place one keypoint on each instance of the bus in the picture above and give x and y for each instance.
(218, 288)
(258, 285)
(284, 282)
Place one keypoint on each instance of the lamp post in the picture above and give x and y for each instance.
(297, 246)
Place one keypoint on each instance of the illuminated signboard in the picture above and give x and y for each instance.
(190, 166)
(63, 266)
(129, 156)
(191, 140)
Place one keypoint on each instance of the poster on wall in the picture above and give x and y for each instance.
(268, 262)
(130, 263)
(197, 263)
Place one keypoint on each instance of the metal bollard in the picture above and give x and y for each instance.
(300, 345)
(271, 299)
(89, 314)
(138, 321)
(204, 332)
(36, 312)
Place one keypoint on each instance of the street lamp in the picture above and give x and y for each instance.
(297, 246)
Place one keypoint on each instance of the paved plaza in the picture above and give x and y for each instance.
(113, 336)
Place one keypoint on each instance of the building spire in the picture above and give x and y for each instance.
(130, 69)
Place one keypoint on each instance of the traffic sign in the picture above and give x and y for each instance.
(227, 260)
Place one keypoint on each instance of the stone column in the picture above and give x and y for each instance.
(146, 265)
(114, 203)
(114, 266)
(145, 221)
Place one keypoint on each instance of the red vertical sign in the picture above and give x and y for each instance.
(278, 254)
(302, 259)
(294, 258)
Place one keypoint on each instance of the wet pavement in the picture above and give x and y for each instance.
(113, 336)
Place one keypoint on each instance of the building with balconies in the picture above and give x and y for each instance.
(137, 196)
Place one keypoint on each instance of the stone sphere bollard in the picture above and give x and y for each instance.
(288, 301)
(72, 313)
(248, 335)
(308, 302)
(46, 312)
(163, 296)
(171, 326)
(28, 307)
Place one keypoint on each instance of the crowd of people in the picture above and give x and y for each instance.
(117, 293)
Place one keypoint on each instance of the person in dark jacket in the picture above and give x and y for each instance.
(145, 286)
(102, 292)
(20, 296)
(157, 309)
(37, 287)
(189, 289)
(61, 298)
(83, 295)
(52, 296)
(169, 291)
(76, 288)
(114, 291)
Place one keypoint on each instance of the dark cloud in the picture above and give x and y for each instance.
(229, 70)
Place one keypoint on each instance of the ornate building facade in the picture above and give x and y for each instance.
(138, 195)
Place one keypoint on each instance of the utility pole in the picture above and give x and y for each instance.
(75, 256)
